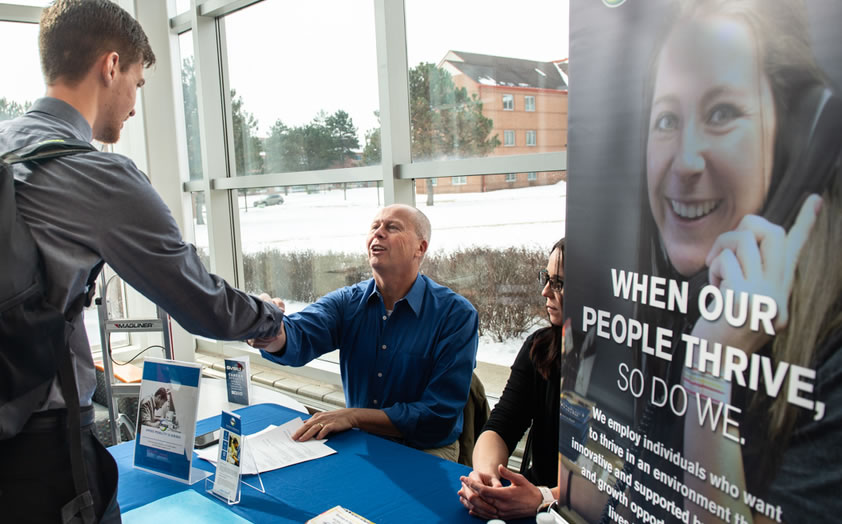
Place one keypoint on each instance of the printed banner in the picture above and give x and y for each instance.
(700, 370)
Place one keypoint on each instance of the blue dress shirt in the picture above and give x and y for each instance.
(414, 364)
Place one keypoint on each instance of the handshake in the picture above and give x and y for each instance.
(271, 344)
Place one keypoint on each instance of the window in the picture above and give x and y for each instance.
(19, 90)
(508, 103)
(268, 246)
(531, 139)
(328, 125)
(434, 182)
(182, 6)
(466, 52)
(301, 264)
(511, 177)
(200, 227)
(532, 176)
(529, 103)
(191, 106)
(508, 138)
(492, 252)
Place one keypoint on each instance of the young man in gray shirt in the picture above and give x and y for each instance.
(90, 207)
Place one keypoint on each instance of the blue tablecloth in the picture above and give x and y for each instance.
(380, 480)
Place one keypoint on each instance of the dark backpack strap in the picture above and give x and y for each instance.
(85, 298)
(46, 149)
(81, 508)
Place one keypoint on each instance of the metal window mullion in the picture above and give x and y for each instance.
(233, 195)
(553, 161)
(212, 137)
(166, 157)
(393, 87)
(20, 13)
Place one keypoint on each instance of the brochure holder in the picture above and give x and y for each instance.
(166, 422)
(228, 479)
(258, 486)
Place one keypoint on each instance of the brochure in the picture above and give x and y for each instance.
(228, 465)
(238, 380)
(166, 419)
(339, 515)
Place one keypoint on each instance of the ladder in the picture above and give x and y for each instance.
(107, 326)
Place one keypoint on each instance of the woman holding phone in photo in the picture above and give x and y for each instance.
(724, 99)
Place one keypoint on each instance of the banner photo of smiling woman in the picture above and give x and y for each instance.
(705, 295)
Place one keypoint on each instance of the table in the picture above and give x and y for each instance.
(379, 479)
(214, 398)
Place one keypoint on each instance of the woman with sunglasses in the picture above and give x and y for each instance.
(531, 397)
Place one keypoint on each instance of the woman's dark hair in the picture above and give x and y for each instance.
(546, 345)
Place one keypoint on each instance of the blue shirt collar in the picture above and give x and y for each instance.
(415, 297)
(63, 111)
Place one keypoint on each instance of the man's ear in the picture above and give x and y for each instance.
(109, 66)
(422, 248)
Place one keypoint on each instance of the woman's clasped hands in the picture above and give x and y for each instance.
(485, 496)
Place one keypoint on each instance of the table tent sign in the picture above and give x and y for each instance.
(238, 380)
(166, 420)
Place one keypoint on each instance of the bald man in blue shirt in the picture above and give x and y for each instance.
(407, 345)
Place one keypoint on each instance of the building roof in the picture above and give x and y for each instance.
(503, 71)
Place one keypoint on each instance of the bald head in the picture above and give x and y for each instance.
(419, 220)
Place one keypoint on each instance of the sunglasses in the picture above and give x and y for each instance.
(556, 283)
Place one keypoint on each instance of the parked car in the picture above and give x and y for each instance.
(271, 200)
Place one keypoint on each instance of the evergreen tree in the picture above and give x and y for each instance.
(445, 121)
(371, 151)
(191, 119)
(344, 134)
(10, 109)
(323, 143)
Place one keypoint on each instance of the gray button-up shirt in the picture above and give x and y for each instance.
(99, 206)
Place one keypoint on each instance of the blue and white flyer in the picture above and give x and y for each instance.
(226, 484)
(166, 419)
(238, 380)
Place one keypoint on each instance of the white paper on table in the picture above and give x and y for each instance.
(273, 448)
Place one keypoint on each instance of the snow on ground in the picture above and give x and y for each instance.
(338, 221)
(331, 220)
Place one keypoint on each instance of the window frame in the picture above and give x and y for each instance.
(534, 135)
(526, 105)
(508, 102)
(506, 134)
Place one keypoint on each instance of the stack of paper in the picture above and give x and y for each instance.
(273, 448)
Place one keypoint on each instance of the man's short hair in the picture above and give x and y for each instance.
(75, 33)
(422, 225)
(161, 394)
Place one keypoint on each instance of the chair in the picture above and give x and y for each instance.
(475, 415)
